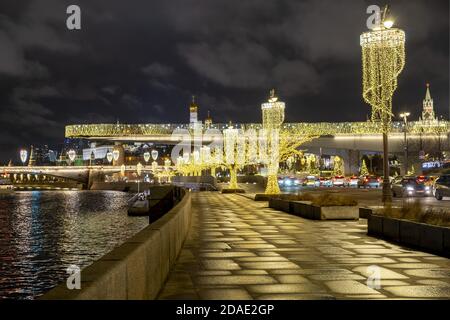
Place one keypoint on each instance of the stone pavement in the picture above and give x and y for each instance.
(241, 249)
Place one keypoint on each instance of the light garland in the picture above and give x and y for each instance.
(273, 117)
(383, 59)
(324, 128)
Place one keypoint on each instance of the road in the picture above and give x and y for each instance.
(365, 197)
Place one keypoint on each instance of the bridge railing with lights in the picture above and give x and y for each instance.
(325, 128)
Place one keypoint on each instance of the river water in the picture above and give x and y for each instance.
(42, 233)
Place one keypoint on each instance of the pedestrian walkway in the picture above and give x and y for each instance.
(241, 249)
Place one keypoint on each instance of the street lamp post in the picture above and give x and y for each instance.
(383, 59)
(405, 116)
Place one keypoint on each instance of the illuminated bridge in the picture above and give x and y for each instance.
(163, 132)
(350, 140)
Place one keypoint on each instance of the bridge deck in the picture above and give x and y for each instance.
(240, 249)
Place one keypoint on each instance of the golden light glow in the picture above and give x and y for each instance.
(383, 59)
(388, 24)
(141, 131)
(273, 118)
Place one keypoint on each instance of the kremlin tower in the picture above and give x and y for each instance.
(428, 115)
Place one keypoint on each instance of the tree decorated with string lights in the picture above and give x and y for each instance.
(364, 171)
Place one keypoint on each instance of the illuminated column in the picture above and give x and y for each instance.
(383, 59)
(273, 117)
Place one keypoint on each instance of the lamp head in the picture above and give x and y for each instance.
(388, 24)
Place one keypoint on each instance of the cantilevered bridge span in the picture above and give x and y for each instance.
(350, 140)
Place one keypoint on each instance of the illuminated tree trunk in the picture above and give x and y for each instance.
(272, 185)
(233, 178)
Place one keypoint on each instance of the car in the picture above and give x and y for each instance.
(369, 182)
(352, 181)
(339, 181)
(288, 181)
(311, 181)
(409, 187)
(325, 182)
(441, 187)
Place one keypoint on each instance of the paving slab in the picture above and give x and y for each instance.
(240, 249)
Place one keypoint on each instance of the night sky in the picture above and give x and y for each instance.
(140, 61)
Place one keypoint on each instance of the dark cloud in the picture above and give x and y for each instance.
(141, 61)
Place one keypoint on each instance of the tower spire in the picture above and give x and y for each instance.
(193, 111)
(428, 94)
(428, 114)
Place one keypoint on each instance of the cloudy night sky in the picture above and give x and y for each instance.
(140, 61)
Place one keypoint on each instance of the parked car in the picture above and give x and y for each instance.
(339, 181)
(288, 181)
(326, 182)
(311, 181)
(369, 182)
(409, 187)
(352, 181)
(442, 187)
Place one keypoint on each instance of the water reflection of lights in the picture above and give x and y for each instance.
(43, 232)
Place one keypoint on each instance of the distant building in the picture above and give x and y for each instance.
(41, 155)
(208, 121)
(96, 152)
(428, 115)
(193, 112)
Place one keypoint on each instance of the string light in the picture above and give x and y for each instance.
(383, 59)
(273, 117)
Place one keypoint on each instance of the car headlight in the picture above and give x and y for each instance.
(410, 188)
(427, 189)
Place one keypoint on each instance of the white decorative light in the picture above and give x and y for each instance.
(72, 154)
(23, 155)
(154, 155)
(116, 154)
(109, 156)
(388, 24)
(146, 156)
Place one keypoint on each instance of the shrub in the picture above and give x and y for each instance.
(297, 197)
(330, 200)
(414, 211)
(305, 197)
